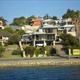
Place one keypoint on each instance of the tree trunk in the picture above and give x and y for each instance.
(22, 49)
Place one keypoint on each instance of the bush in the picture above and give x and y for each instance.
(37, 51)
(47, 49)
(42, 50)
(14, 39)
(1, 50)
(17, 52)
(53, 51)
(69, 40)
(29, 50)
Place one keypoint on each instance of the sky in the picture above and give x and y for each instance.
(11, 9)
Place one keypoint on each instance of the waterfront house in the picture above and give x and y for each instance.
(50, 31)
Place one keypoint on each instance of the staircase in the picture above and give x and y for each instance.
(60, 52)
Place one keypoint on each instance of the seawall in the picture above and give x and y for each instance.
(38, 62)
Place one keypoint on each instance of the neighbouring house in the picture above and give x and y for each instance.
(68, 27)
(49, 21)
(36, 22)
(30, 29)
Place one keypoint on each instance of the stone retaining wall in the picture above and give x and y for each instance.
(47, 62)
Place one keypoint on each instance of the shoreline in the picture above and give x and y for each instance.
(38, 62)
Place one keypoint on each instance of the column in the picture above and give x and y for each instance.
(44, 43)
(54, 43)
(34, 43)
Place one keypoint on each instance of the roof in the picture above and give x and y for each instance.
(39, 33)
(68, 26)
(47, 20)
(49, 26)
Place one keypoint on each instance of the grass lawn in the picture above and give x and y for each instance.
(8, 52)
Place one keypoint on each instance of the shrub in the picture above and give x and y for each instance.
(37, 51)
(69, 40)
(17, 52)
(1, 50)
(14, 39)
(47, 49)
(42, 50)
(53, 51)
(29, 50)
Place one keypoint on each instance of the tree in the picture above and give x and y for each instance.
(46, 17)
(69, 40)
(9, 29)
(14, 36)
(3, 20)
(29, 19)
(19, 21)
(71, 14)
(75, 16)
(20, 32)
(14, 39)
(4, 33)
(54, 18)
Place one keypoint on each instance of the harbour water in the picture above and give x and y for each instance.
(40, 73)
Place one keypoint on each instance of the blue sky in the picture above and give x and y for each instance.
(10, 9)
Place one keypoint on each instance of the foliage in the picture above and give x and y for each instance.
(50, 51)
(47, 49)
(20, 32)
(9, 29)
(1, 50)
(29, 19)
(71, 14)
(5, 33)
(37, 51)
(69, 40)
(19, 21)
(46, 17)
(29, 50)
(3, 20)
(42, 50)
(17, 52)
(49, 17)
(14, 36)
(54, 18)
(14, 39)
(53, 51)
